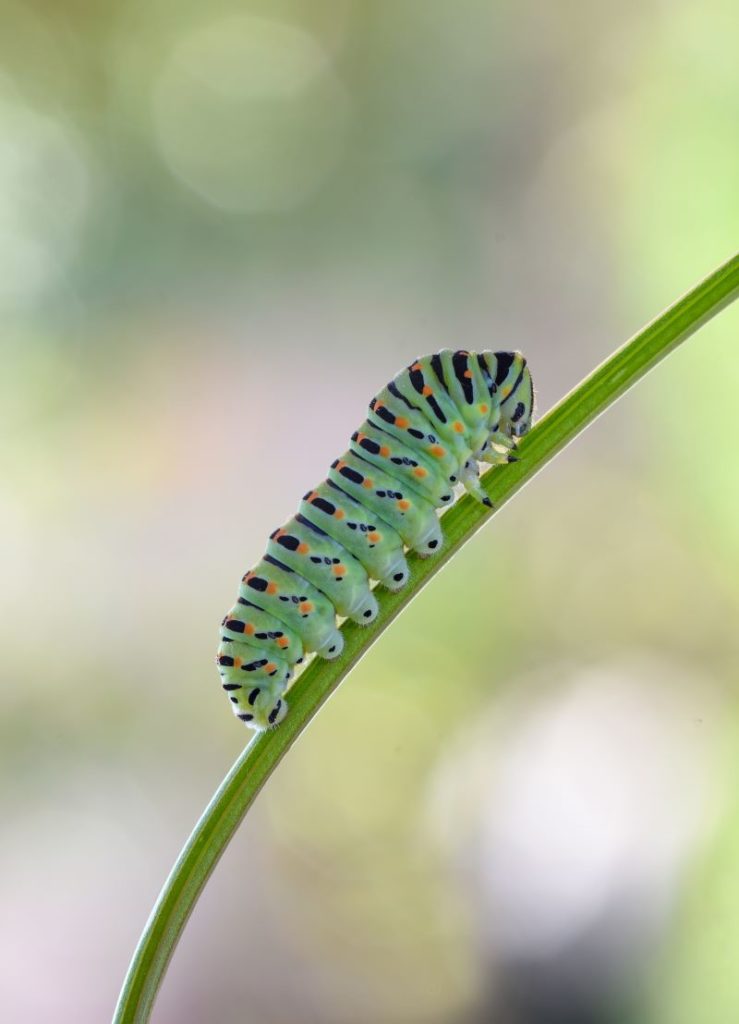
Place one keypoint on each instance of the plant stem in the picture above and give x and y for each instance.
(262, 755)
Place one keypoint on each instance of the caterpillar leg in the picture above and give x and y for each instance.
(429, 543)
(501, 440)
(492, 457)
(397, 576)
(469, 475)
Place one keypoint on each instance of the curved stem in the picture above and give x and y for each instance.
(260, 758)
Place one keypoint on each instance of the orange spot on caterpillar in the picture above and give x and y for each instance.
(312, 496)
(385, 451)
(468, 374)
(340, 465)
(282, 641)
(437, 451)
(374, 537)
(249, 629)
(271, 588)
(303, 549)
(458, 427)
(427, 391)
(367, 483)
(305, 607)
(404, 505)
(339, 570)
(270, 667)
(237, 663)
(483, 408)
(420, 472)
(379, 405)
(339, 513)
(277, 534)
(401, 421)
(360, 437)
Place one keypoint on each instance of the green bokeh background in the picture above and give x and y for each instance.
(222, 228)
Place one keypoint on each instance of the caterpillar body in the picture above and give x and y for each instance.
(424, 435)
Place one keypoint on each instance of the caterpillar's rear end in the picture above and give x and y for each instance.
(425, 434)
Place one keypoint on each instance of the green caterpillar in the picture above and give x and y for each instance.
(425, 433)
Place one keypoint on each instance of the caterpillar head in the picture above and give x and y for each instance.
(515, 390)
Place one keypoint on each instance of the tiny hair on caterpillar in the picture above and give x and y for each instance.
(425, 434)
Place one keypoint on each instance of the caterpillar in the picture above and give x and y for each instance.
(424, 435)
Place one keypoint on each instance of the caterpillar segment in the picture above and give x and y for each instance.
(425, 432)
(417, 470)
(291, 598)
(412, 517)
(392, 412)
(422, 385)
(328, 566)
(371, 540)
(465, 380)
(246, 623)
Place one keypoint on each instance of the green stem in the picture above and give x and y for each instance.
(260, 758)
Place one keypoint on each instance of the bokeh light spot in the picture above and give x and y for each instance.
(249, 115)
(44, 196)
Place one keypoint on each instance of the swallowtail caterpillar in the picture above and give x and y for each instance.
(424, 435)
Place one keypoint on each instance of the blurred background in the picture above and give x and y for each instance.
(223, 227)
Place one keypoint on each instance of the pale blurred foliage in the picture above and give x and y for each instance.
(222, 228)
(567, 892)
